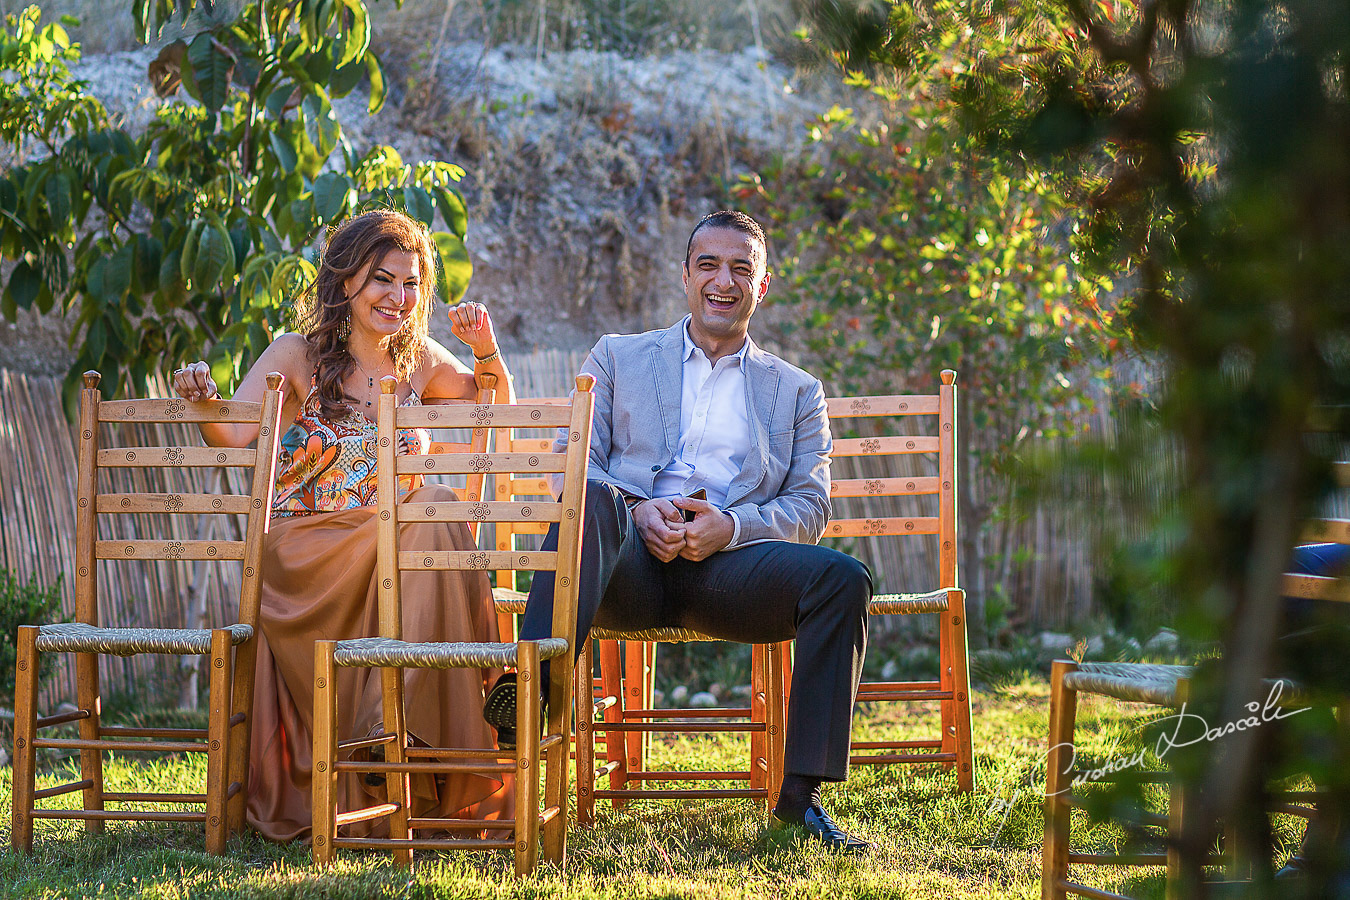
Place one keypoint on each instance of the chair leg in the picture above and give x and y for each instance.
(527, 758)
(323, 809)
(775, 714)
(585, 701)
(963, 739)
(397, 785)
(91, 761)
(637, 675)
(613, 683)
(218, 743)
(759, 699)
(556, 789)
(1058, 761)
(245, 663)
(25, 728)
(946, 681)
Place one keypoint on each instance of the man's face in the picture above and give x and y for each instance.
(724, 280)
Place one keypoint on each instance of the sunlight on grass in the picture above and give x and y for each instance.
(933, 842)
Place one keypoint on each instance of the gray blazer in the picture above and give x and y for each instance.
(783, 491)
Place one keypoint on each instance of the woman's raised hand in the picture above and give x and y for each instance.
(194, 382)
(471, 323)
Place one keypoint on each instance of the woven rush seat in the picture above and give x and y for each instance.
(659, 635)
(382, 652)
(1133, 682)
(508, 601)
(75, 637)
(903, 604)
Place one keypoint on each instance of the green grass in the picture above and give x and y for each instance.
(933, 842)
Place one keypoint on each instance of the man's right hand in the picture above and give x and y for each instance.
(661, 527)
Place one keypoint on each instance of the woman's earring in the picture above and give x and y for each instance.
(344, 330)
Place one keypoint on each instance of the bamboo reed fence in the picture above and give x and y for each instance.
(1050, 580)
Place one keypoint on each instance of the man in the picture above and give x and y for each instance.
(698, 407)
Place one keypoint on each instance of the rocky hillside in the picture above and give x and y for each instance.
(586, 171)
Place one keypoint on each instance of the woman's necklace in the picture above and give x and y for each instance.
(370, 383)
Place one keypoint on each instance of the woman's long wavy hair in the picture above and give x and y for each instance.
(323, 312)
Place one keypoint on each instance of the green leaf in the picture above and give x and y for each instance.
(212, 66)
(321, 125)
(284, 150)
(453, 210)
(332, 192)
(291, 276)
(456, 267)
(419, 204)
(57, 191)
(96, 340)
(356, 37)
(214, 265)
(188, 260)
(377, 86)
(23, 287)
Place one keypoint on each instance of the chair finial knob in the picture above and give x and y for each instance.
(274, 380)
(388, 384)
(91, 379)
(948, 376)
(487, 381)
(585, 382)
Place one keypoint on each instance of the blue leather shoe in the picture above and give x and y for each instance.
(821, 827)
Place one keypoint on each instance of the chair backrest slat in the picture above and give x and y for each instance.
(476, 512)
(476, 560)
(884, 405)
(915, 486)
(204, 504)
(169, 549)
(1316, 587)
(175, 457)
(1331, 531)
(478, 463)
(889, 525)
(484, 415)
(884, 446)
(177, 410)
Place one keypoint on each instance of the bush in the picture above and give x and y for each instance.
(23, 604)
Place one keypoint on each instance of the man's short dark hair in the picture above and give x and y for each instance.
(729, 218)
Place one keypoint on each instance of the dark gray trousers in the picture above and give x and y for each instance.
(763, 593)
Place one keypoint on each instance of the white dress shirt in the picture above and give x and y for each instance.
(714, 429)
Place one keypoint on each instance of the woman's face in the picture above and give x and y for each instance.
(382, 301)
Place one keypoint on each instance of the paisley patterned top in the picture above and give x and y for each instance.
(329, 466)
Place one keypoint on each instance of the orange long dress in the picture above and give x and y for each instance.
(319, 584)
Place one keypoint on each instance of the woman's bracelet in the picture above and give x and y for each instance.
(484, 360)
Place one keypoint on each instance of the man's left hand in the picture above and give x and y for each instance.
(710, 531)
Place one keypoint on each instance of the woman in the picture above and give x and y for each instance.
(364, 317)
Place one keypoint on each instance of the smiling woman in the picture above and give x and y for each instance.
(364, 317)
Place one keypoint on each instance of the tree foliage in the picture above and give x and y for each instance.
(910, 247)
(195, 235)
(1208, 147)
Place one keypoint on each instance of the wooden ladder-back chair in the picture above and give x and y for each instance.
(392, 655)
(1163, 686)
(225, 739)
(951, 688)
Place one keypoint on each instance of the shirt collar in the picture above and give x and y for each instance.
(690, 346)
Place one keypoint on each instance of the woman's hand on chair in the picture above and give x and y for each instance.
(194, 382)
(471, 323)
